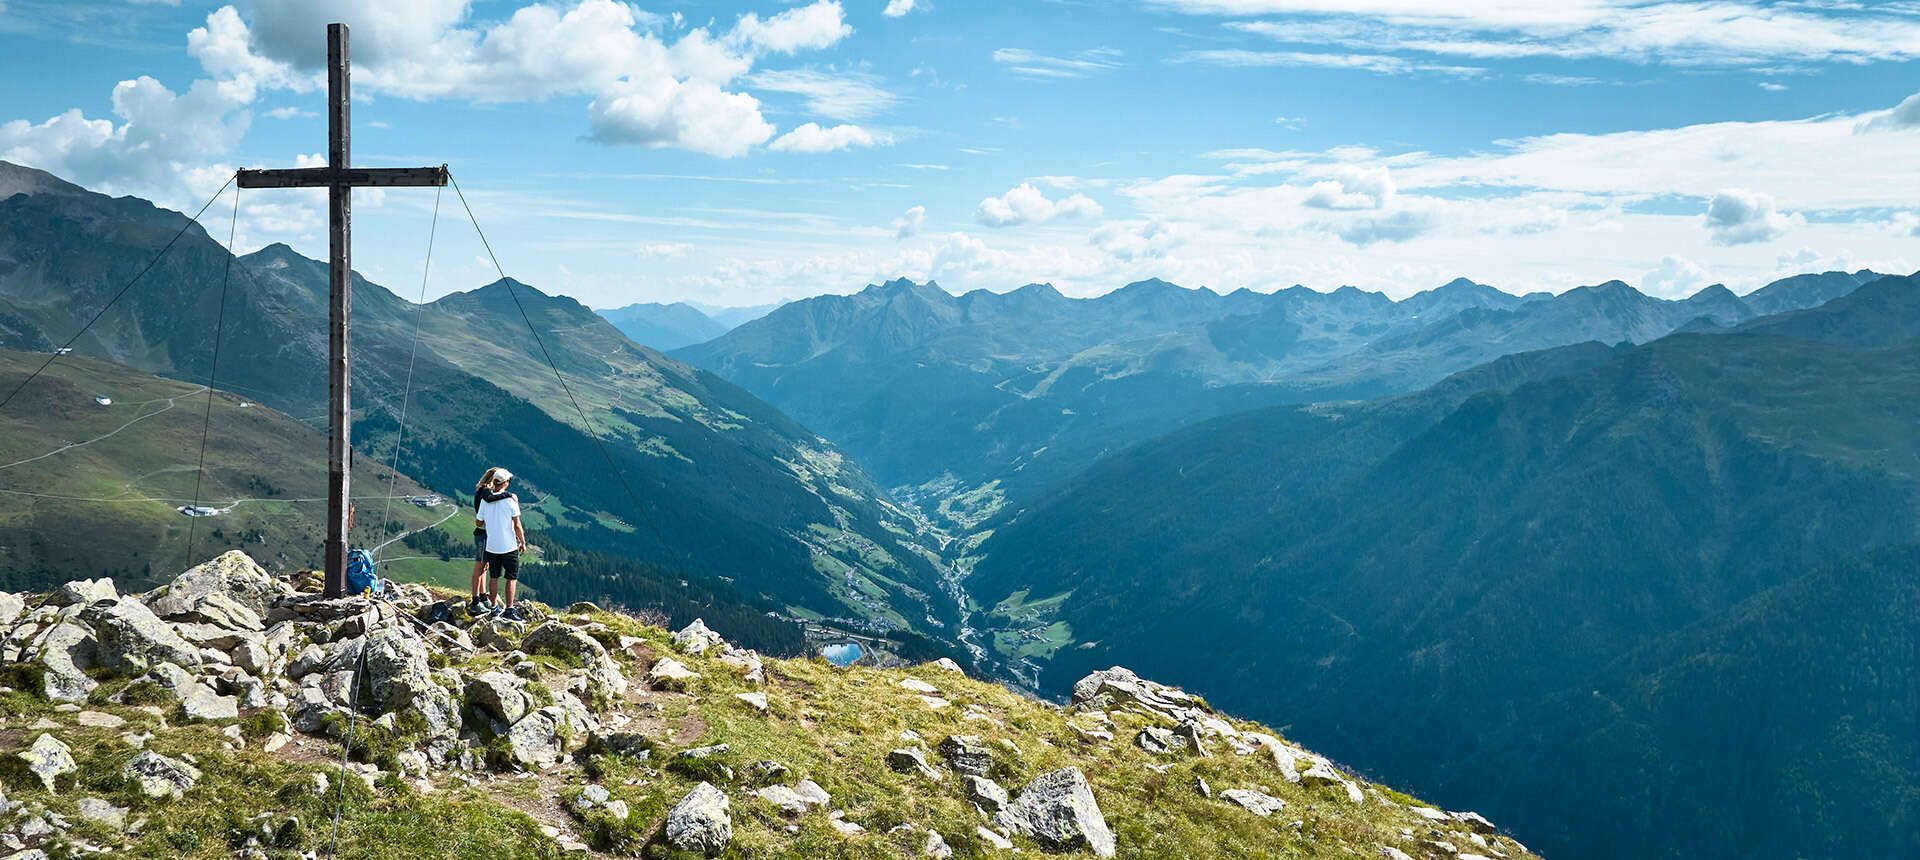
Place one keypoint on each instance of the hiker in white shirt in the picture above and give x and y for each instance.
(506, 540)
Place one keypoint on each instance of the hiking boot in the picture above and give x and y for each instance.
(512, 613)
(479, 605)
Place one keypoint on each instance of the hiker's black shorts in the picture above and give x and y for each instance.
(480, 547)
(505, 564)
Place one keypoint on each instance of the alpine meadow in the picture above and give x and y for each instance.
(857, 429)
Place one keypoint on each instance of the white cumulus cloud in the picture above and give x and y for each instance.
(908, 224)
(1026, 204)
(1905, 115)
(643, 88)
(813, 138)
(817, 25)
(1675, 278)
(897, 8)
(1352, 187)
(1739, 217)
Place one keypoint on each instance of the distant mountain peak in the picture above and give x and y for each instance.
(1458, 284)
(1715, 292)
(21, 179)
(1035, 290)
(896, 285)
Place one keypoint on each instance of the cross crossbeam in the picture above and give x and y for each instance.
(339, 177)
(358, 177)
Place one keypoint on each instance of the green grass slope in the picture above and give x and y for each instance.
(91, 489)
(833, 726)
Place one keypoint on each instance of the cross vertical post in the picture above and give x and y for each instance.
(339, 309)
(340, 178)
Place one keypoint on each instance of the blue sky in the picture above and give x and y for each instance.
(737, 153)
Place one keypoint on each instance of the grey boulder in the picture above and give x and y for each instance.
(701, 822)
(66, 652)
(159, 776)
(82, 592)
(1057, 809)
(234, 575)
(697, 638)
(967, 754)
(500, 695)
(131, 639)
(1258, 803)
(48, 759)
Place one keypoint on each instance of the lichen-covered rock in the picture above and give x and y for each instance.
(701, 822)
(755, 700)
(749, 663)
(160, 776)
(986, 794)
(11, 606)
(501, 696)
(935, 846)
(65, 652)
(918, 686)
(1322, 773)
(215, 609)
(796, 800)
(131, 638)
(967, 754)
(82, 592)
(202, 704)
(48, 759)
(1057, 809)
(1111, 687)
(696, 638)
(569, 643)
(542, 737)
(494, 634)
(101, 812)
(1258, 803)
(1159, 741)
(234, 575)
(912, 760)
(397, 667)
(671, 674)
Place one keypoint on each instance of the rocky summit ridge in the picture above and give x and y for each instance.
(210, 717)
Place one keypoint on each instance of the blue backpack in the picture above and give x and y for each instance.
(360, 574)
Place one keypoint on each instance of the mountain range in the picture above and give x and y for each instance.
(1634, 576)
(664, 326)
(1679, 575)
(678, 467)
(975, 402)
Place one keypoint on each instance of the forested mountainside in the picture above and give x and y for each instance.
(1680, 573)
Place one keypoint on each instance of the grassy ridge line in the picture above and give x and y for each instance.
(834, 726)
(105, 505)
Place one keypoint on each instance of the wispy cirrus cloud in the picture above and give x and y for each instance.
(835, 95)
(1671, 32)
(1034, 64)
(1382, 64)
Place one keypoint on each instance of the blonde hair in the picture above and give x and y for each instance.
(486, 480)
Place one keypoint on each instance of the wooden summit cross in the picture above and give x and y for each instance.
(339, 177)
